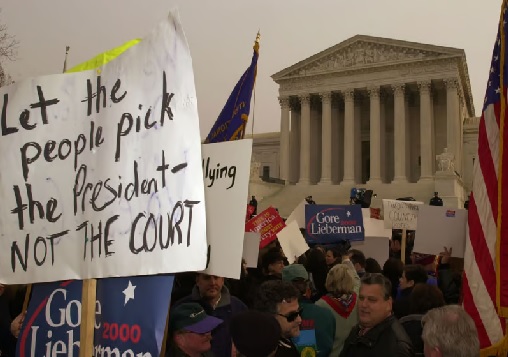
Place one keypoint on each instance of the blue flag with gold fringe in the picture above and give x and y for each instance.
(232, 121)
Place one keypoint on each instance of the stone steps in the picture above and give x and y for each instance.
(286, 198)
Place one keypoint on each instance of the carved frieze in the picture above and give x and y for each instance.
(363, 53)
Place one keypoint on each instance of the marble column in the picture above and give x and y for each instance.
(305, 141)
(426, 158)
(399, 134)
(375, 136)
(453, 120)
(382, 151)
(326, 139)
(284, 139)
(349, 134)
(294, 142)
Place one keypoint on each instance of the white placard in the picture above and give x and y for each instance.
(108, 165)
(401, 214)
(292, 241)
(226, 171)
(298, 215)
(251, 249)
(374, 247)
(374, 227)
(440, 227)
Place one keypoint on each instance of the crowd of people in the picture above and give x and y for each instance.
(330, 302)
(333, 303)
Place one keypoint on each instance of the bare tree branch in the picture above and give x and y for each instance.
(8, 44)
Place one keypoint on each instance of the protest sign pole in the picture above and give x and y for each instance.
(86, 332)
(27, 297)
(165, 339)
(403, 247)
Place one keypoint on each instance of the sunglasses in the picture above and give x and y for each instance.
(292, 316)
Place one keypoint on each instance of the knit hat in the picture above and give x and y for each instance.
(192, 317)
(294, 272)
(423, 259)
(254, 333)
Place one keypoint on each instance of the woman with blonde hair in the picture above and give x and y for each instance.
(341, 301)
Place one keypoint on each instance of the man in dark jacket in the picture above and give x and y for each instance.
(215, 298)
(378, 332)
(317, 330)
(190, 331)
(280, 299)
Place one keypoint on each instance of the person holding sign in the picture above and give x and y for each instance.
(191, 331)
(411, 275)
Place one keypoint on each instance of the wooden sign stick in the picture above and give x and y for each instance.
(86, 332)
(403, 247)
(27, 297)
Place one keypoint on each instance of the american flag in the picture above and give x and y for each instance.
(485, 285)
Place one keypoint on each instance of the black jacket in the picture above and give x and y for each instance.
(286, 348)
(413, 326)
(402, 305)
(387, 339)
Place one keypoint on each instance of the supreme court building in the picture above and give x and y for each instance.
(386, 114)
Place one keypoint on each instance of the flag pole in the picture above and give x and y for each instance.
(256, 48)
(67, 48)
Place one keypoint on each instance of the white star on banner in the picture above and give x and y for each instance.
(129, 292)
(348, 213)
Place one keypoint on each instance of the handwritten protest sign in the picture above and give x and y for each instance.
(52, 322)
(103, 176)
(251, 249)
(328, 224)
(131, 315)
(401, 214)
(440, 227)
(226, 170)
(298, 214)
(268, 223)
(374, 247)
(292, 242)
(374, 227)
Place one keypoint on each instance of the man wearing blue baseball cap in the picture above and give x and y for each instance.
(191, 331)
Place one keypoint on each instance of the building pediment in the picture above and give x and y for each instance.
(365, 51)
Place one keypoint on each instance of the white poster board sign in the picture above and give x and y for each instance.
(440, 227)
(298, 215)
(226, 171)
(292, 241)
(374, 227)
(101, 172)
(251, 249)
(374, 247)
(401, 214)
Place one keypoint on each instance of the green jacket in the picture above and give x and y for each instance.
(318, 322)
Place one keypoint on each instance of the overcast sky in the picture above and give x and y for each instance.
(221, 34)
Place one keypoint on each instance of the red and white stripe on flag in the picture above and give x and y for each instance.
(485, 284)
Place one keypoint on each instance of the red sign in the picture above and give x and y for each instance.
(268, 223)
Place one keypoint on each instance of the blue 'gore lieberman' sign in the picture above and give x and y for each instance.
(328, 224)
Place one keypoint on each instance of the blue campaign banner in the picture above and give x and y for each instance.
(131, 315)
(329, 224)
(51, 325)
